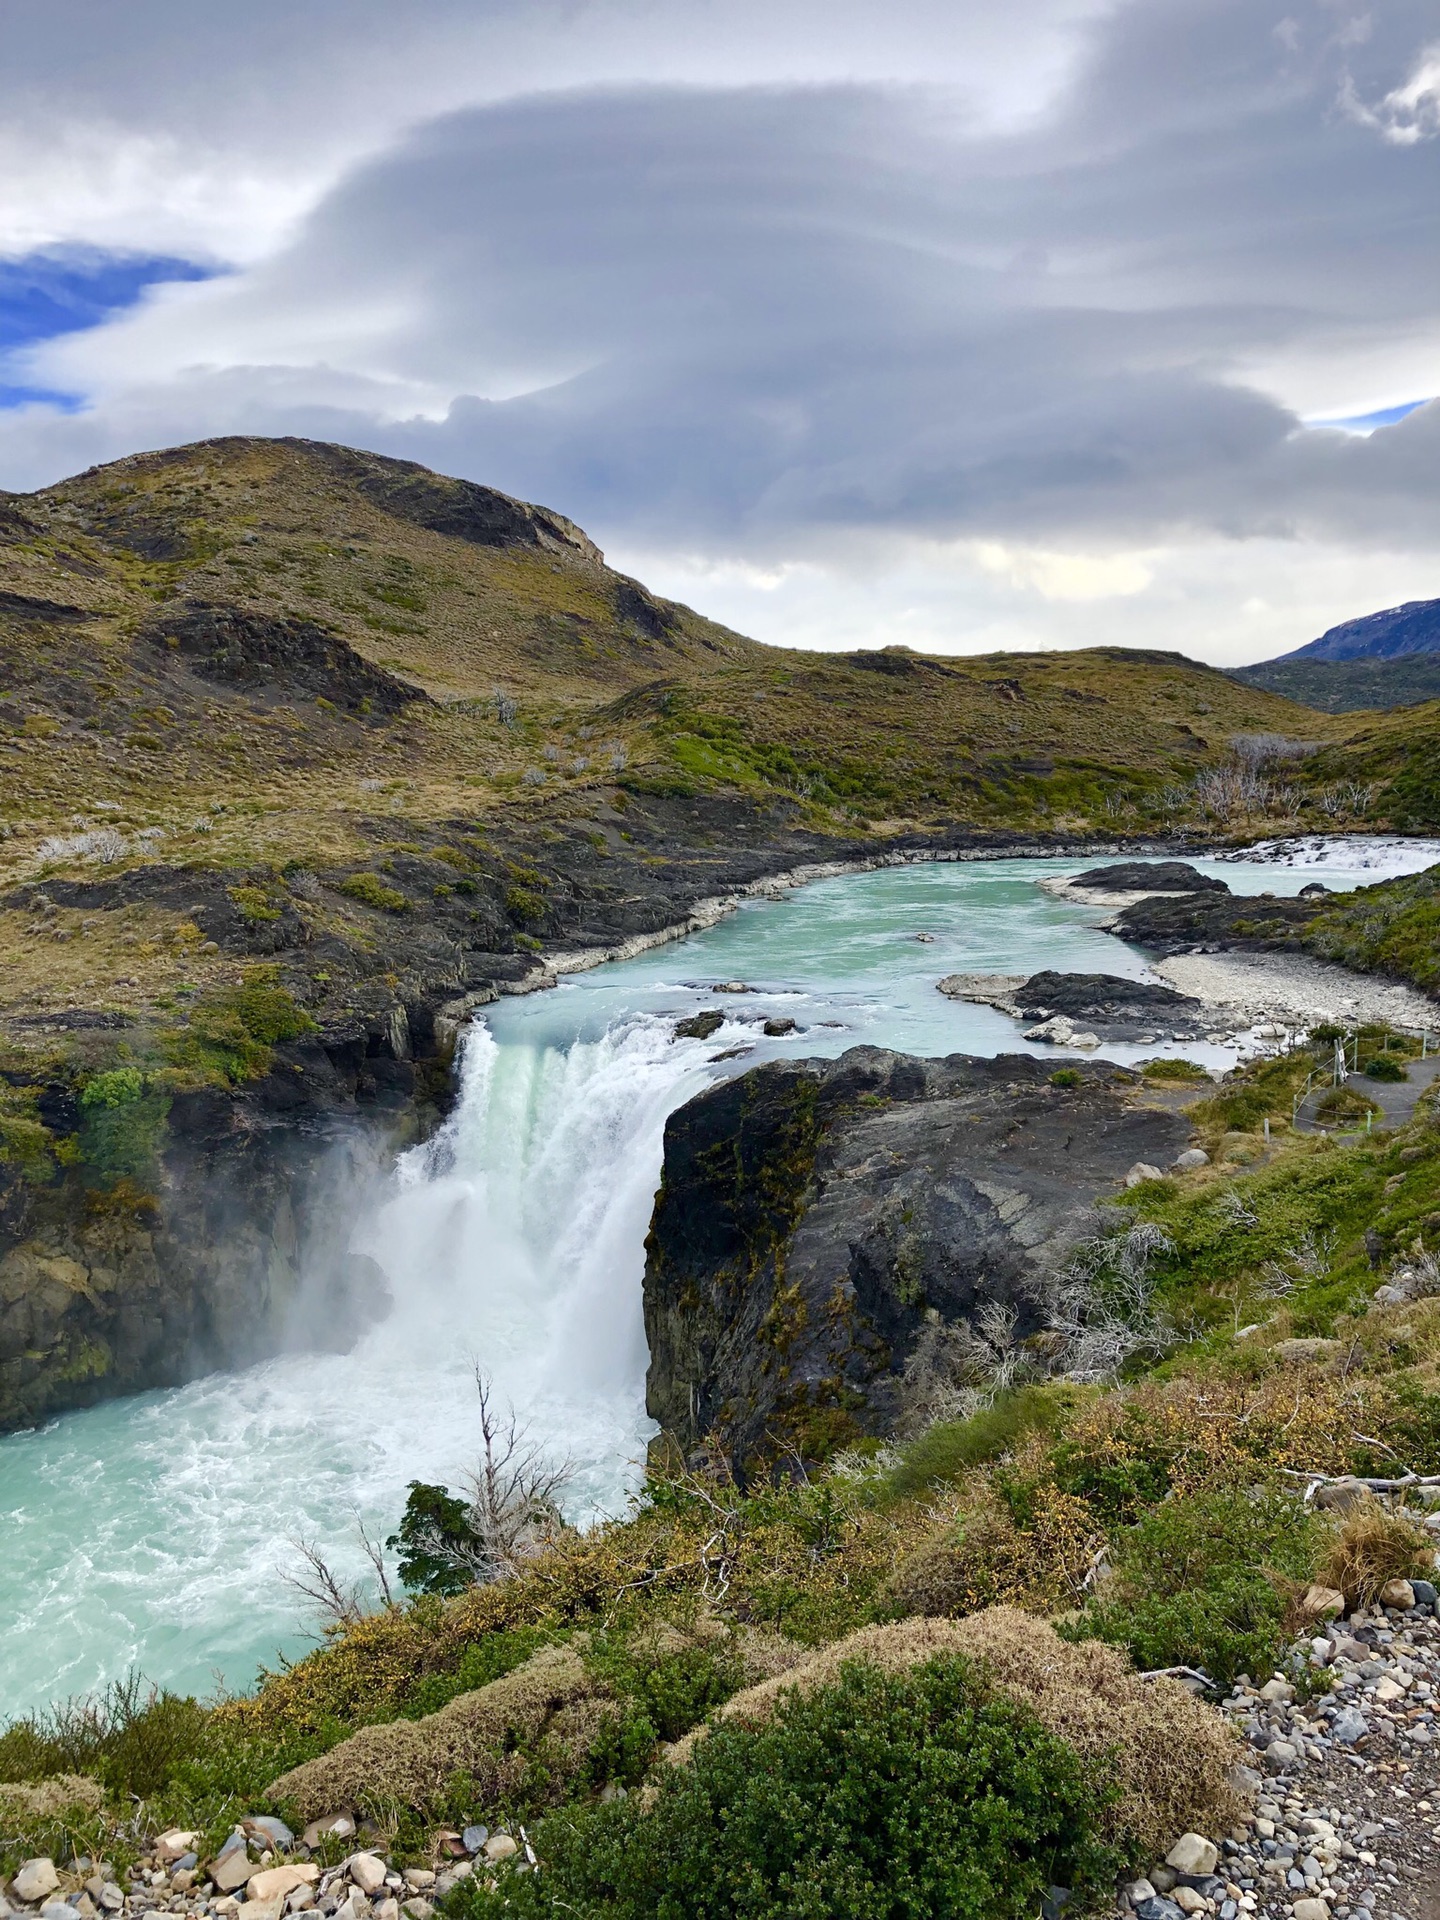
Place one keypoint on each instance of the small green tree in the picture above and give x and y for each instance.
(434, 1541)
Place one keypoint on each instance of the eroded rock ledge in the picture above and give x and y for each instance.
(815, 1216)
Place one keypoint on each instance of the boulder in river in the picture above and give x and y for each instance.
(1147, 876)
(816, 1217)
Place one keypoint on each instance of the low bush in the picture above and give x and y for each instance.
(371, 891)
(1384, 1066)
(131, 1737)
(910, 1795)
(231, 1033)
(1206, 1581)
(1167, 1756)
(951, 1448)
(123, 1126)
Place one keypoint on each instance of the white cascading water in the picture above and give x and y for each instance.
(149, 1531)
(515, 1239)
(152, 1531)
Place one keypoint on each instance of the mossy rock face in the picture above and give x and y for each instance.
(816, 1217)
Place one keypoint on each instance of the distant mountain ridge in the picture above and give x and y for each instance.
(1412, 628)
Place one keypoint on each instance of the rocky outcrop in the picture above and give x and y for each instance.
(1148, 876)
(816, 1216)
(230, 1247)
(1184, 923)
(1075, 1009)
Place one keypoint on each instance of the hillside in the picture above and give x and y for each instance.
(1348, 686)
(1412, 628)
(253, 655)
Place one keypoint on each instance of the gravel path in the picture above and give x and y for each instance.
(1396, 1099)
(1345, 1823)
(1293, 991)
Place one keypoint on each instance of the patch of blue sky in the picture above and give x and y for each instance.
(43, 295)
(1368, 422)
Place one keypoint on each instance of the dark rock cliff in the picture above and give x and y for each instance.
(231, 1247)
(814, 1216)
(111, 1285)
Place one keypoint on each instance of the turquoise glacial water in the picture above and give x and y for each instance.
(154, 1532)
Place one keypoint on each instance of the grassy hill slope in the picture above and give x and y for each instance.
(253, 658)
(1347, 686)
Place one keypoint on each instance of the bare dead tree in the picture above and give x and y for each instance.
(1101, 1306)
(514, 1494)
(341, 1603)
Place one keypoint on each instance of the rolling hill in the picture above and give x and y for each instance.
(274, 672)
(1388, 659)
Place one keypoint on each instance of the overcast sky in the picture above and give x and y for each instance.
(962, 323)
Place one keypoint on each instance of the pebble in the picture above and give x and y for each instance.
(1346, 1816)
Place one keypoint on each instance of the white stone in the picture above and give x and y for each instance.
(1140, 1172)
(1397, 1593)
(367, 1870)
(1193, 1853)
(1139, 1890)
(261, 1909)
(275, 1882)
(1276, 1689)
(35, 1879)
(1191, 1158)
(175, 1844)
(1387, 1690)
(500, 1846)
(1310, 1909)
(1189, 1901)
(419, 1878)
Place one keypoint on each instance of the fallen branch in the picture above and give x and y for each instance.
(1373, 1482)
(1178, 1673)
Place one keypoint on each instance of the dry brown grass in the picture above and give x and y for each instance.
(408, 1762)
(1167, 1754)
(1373, 1546)
(983, 1559)
(48, 1799)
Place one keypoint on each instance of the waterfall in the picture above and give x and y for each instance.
(152, 1531)
(514, 1241)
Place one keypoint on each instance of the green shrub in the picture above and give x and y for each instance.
(371, 891)
(254, 905)
(1384, 1067)
(1201, 1581)
(25, 1141)
(499, 1653)
(434, 1519)
(124, 1125)
(951, 1448)
(132, 1737)
(1066, 1077)
(892, 1797)
(231, 1033)
(525, 905)
(1181, 1072)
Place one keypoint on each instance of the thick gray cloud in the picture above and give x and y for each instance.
(764, 320)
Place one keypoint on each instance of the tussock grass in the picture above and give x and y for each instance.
(1372, 1547)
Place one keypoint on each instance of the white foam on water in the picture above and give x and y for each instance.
(1373, 856)
(151, 1531)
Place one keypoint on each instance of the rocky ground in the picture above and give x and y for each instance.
(262, 1872)
(1293, 990)
(1345, 1819)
